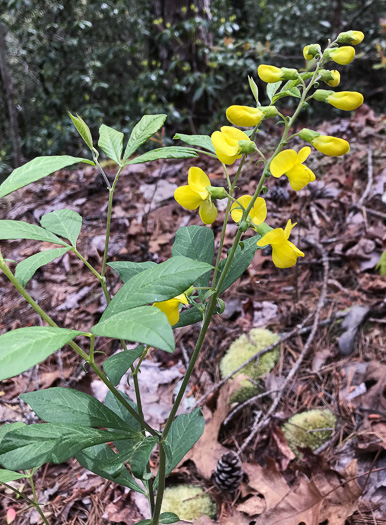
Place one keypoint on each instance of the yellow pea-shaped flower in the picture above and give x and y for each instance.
(284, 252)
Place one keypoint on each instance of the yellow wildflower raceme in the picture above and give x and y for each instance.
(351, 37)
(345, 100)
(284, 252)
(226, 143)
(197, 195)
(290, 163)
(332, 146)
(341, 55)
(257, 214)
(171, 307)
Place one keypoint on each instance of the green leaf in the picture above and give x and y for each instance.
(292, 92)
(37, 169)
(25, 347)
(33, 445)
(118, 364)
(66, 405)
(162, 282)
(143, 522)
(127, 269)
(111, 142)
(171, 152)
(83, 129)
(168, 517)
(137, 455)
(197, 243)
(187, 317)
(66, 223)
(146, 127)
(113, 404)
(254, 89)
(272, 88)
(145, 324)
(240, 262)
(92, 458)
(10, 475)
(25, 230)
(185, 431)
(8, 427)
(203, 141)
(27, 268)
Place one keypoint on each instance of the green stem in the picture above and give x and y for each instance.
(97, 275)
(108, 225)
(201, 337)
(161, 484)
(7, 272)
(122, 400)
(34, 504)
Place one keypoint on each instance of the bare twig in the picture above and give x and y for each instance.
(260, 423)
(359, 204)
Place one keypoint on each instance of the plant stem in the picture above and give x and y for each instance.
(161, 484)
(122, 400)
(208, 318)
(35, 306)
(34, 504)
(108, 225)
(97, 275)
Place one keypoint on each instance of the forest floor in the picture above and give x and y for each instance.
(342, 347)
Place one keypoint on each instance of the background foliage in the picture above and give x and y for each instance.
(113, 61)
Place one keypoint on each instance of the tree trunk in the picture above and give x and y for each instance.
(9, 97)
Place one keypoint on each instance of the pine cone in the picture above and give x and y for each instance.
(229, 473)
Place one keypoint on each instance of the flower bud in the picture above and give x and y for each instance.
(247, 146)
(351, 37)
(331, 146)
(345, 100)
(332, 78)
(271, 74)
(244, 116)
(217, 192)
(309, 52)
(341, 55)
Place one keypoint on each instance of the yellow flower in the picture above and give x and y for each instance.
(197, 195)
(310, 51)
(284, 252)
(171, 307)
(271, 74)
(341, 55)
(331, 146)
(332, 78)
(351, 37)
(257, 214)
(244, 116)
(226, 143)
(290, 163)
(345, 100)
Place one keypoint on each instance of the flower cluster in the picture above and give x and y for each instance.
(231, 144)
